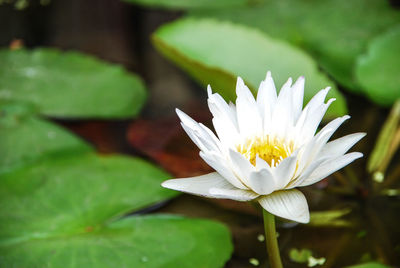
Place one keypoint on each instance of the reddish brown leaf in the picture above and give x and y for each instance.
(164, 141)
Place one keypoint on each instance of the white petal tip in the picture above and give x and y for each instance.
(209, 90)
(288, 82)
(170, 184)
(179, 112)
(358, 155)
(346, 117)
(330, 101)
(304, 219)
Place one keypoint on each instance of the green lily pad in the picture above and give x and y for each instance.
(215, 53)
(68, 195)
(69, 84)
(193, 4)
(378, 71)
(149, 241)
(329, 30)
(25, 138)
(67, 211)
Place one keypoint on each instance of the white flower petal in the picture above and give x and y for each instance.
(266, 100)
(211, 134)
(241, 166)
(234, 194)
(220, 165)
(227, 135)
(340, 146)
(326, 132)
(282, 116)
(330, 166)
(311, 150)
(312, 121)
(199, 185)
(298, 95)
(305, 173)
(224, 119)
(284, 172)
(310, 108)
(261, 164)
(318, 99)
(219, 108)
(248, 115)
(204, 139)
(262, 182)
(203, 142)
(288, 204)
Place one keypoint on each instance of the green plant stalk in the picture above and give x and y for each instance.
(380, 155)
(271, 240)
(392, 150)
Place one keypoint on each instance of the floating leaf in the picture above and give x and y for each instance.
(378, 71)
(150, 241)
(329, 30)
(25, 138)
(197, 47)
(68, 195)
(66, 207)
(193, 4)
(66, 211)
(330, 218)
(69, 84)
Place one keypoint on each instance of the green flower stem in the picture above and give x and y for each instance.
(271, 240)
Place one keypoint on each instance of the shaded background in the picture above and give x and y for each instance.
(111, 30)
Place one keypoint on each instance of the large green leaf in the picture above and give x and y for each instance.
(66, 211)
(379, 70)
(150, 241)
(215, 53)
(68, 195)
(193, 4)
(25, 138)
(335, 32)
(69, 84)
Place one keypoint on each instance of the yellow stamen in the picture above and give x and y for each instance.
(272, 150)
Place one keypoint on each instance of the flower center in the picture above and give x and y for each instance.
(272, 150)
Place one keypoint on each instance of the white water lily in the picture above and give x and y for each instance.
(266, 147)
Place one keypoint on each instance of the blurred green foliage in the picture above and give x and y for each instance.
(378, 71)
(195, 46)
(69, 84)
(344, 37)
